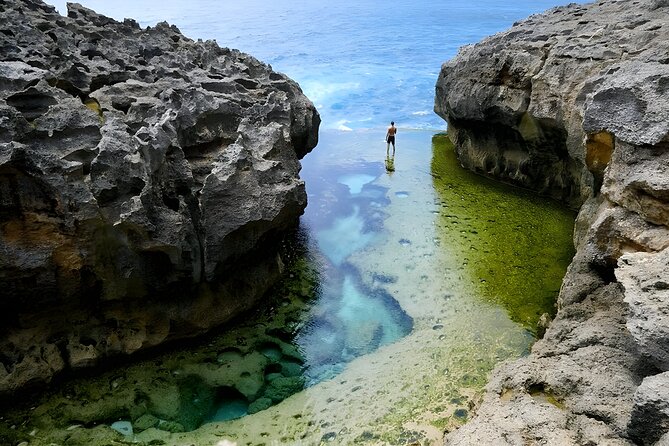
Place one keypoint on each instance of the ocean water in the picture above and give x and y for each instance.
(408, 286)
(362, 62)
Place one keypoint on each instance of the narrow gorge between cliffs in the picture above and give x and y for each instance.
(402, 290)
(405, 289)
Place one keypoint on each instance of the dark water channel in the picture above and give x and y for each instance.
(403, 290)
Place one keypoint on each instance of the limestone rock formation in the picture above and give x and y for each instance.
(650, 417)
(645, 277)
(521, 103)
(146, 181)
(573, 103)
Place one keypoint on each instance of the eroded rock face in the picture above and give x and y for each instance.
(650, 418)
(645, 277)
(573, 103)
(146, 181)
(520, 104)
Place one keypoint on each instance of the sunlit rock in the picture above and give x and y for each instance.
(650, 417)
(645, 277)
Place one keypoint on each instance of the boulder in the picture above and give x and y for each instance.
(650, 417)
(645, 277)
(146, 181)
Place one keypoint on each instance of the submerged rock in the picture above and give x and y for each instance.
(282, 387)
(260, 404)
(171, 426)
(122, 427)
(573, 103)
(145, 422)
(145, 181)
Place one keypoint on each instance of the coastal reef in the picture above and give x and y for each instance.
(146, 183)
(573, 104)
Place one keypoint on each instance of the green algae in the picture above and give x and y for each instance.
(514, 248)
(544, 394)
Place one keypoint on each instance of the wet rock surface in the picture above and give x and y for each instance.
(145, 182)
(573, 103)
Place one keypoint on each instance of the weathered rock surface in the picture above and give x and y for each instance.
(573, 103)
(146, 181)
(650, 417)
(521, 103)
(645, 277)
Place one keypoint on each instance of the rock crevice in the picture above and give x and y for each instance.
(573, 103)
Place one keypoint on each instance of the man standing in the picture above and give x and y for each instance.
(390, 137)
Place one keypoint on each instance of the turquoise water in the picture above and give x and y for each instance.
(362, 62)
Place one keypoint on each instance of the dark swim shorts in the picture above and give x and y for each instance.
(391, 139)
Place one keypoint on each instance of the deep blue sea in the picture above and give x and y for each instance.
(362, 62)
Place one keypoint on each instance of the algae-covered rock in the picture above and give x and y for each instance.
(196, 402)
(291, 368)
(282, 387)
(272, 376)
(171, 426)
(165, 399)
(145, 422)
(260, 404)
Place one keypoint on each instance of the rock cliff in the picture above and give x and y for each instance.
(146, 181)
(573, 103)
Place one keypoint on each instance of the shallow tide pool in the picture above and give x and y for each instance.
(403, 290)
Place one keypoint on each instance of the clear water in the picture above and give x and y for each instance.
(411, 285)
(389, 343)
